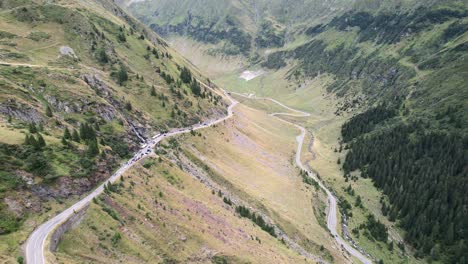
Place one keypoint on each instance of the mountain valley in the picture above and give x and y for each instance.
(224, 131)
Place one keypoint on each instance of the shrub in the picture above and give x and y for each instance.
(8, 222)
(9, 181)
(38, 36)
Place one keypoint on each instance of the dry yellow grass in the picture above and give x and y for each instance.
(9, 135)
(198, 54)
(254, 152)
(186, 223)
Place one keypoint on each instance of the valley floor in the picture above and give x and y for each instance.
(322, 153)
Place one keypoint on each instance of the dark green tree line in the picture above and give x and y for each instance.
(424, 173)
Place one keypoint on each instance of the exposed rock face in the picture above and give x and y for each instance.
(67, 51)
(67, 186)
(14, 206)
(22, 203)
(64, 106)
(95, 82)
(21, 112)
(26, 177)
(80, 105)
(106, 112)
(137, 127)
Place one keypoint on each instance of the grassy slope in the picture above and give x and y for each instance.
(261, 173)
(199, 54)
(271, 180)
(187, 223)
(246, 12)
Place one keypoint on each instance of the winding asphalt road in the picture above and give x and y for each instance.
(332, 221)
(35, 244)
(34, 249)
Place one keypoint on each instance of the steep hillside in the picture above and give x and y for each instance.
(249, 28)
(234, 27)
(396, 72)
(408, 74)
(221, 194)
(82, 84)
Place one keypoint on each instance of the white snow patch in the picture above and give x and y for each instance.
(249, 75)
(134, 1)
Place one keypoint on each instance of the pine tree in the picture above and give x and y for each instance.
(32, 128)
(435, 252)
(33, 142)
(83, 131)
(40, 141)
(128, 106)
(195, 87)
(102, 56)
(66, 133)
(185, 75)
(450, 234)
(92, 132)
(155, 53)
(37, 144)
(75, 136)
(121, 37)
(48, 111)
(93, 148)
(122, 75)
(27, 140)
(64, 141)
(87, 132)
(358, 201)
(390, 246)
(153, 91)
